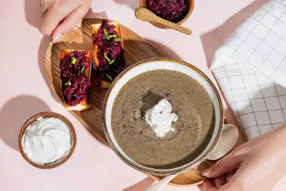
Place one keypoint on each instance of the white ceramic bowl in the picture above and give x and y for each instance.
(162, 64)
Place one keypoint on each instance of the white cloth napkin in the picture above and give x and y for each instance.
(251, 70)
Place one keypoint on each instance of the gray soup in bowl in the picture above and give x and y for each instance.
(192, 131)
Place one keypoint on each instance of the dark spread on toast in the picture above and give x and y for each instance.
(75, 81)
(110, 52)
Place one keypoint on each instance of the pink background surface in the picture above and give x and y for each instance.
(24, 90)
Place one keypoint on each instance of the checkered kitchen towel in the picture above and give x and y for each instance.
(251, 69)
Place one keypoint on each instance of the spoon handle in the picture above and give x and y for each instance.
(161, 184)
(174, 26)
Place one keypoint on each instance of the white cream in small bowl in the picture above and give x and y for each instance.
(47, 140)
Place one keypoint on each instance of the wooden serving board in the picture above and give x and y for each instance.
(136, 49)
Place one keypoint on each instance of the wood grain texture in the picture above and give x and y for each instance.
(136, 49)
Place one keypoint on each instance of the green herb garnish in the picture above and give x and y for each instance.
(68, 83)
(113, 36)
(74, 95)
(109, 77)
(106, 57)
(82, 69)
(118, 39)
(73, 60)
(106, 34)
(112, 61)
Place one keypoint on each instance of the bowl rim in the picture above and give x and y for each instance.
(188, 165)
(142, 3)
(32, 120)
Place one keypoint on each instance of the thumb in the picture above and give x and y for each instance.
(70, 22)
(223, 166)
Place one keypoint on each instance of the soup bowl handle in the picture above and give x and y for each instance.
(226, 142)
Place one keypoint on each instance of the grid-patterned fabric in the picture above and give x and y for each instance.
(251, 70)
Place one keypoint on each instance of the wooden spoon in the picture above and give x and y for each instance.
(146, 15)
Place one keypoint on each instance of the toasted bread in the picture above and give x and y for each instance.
(84, 104)
(96, 63)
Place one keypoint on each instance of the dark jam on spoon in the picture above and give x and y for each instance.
(111, 54)
(172, 10)
(75, 82)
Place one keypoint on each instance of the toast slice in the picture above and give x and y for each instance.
(107, 35)
(80, 80)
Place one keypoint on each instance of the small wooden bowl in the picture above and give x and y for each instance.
(191, 5)
(32, 120)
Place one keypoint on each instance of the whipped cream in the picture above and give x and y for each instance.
(47, 140)
(160, 118)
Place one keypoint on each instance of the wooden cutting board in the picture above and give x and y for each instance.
(136, 49)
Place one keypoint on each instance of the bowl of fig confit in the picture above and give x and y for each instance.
(176, 11)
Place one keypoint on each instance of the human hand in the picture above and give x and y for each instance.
(60, 16)
(256, 165)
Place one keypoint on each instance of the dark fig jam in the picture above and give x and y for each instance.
(75, 81)
(172, 10)
(111, 53)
